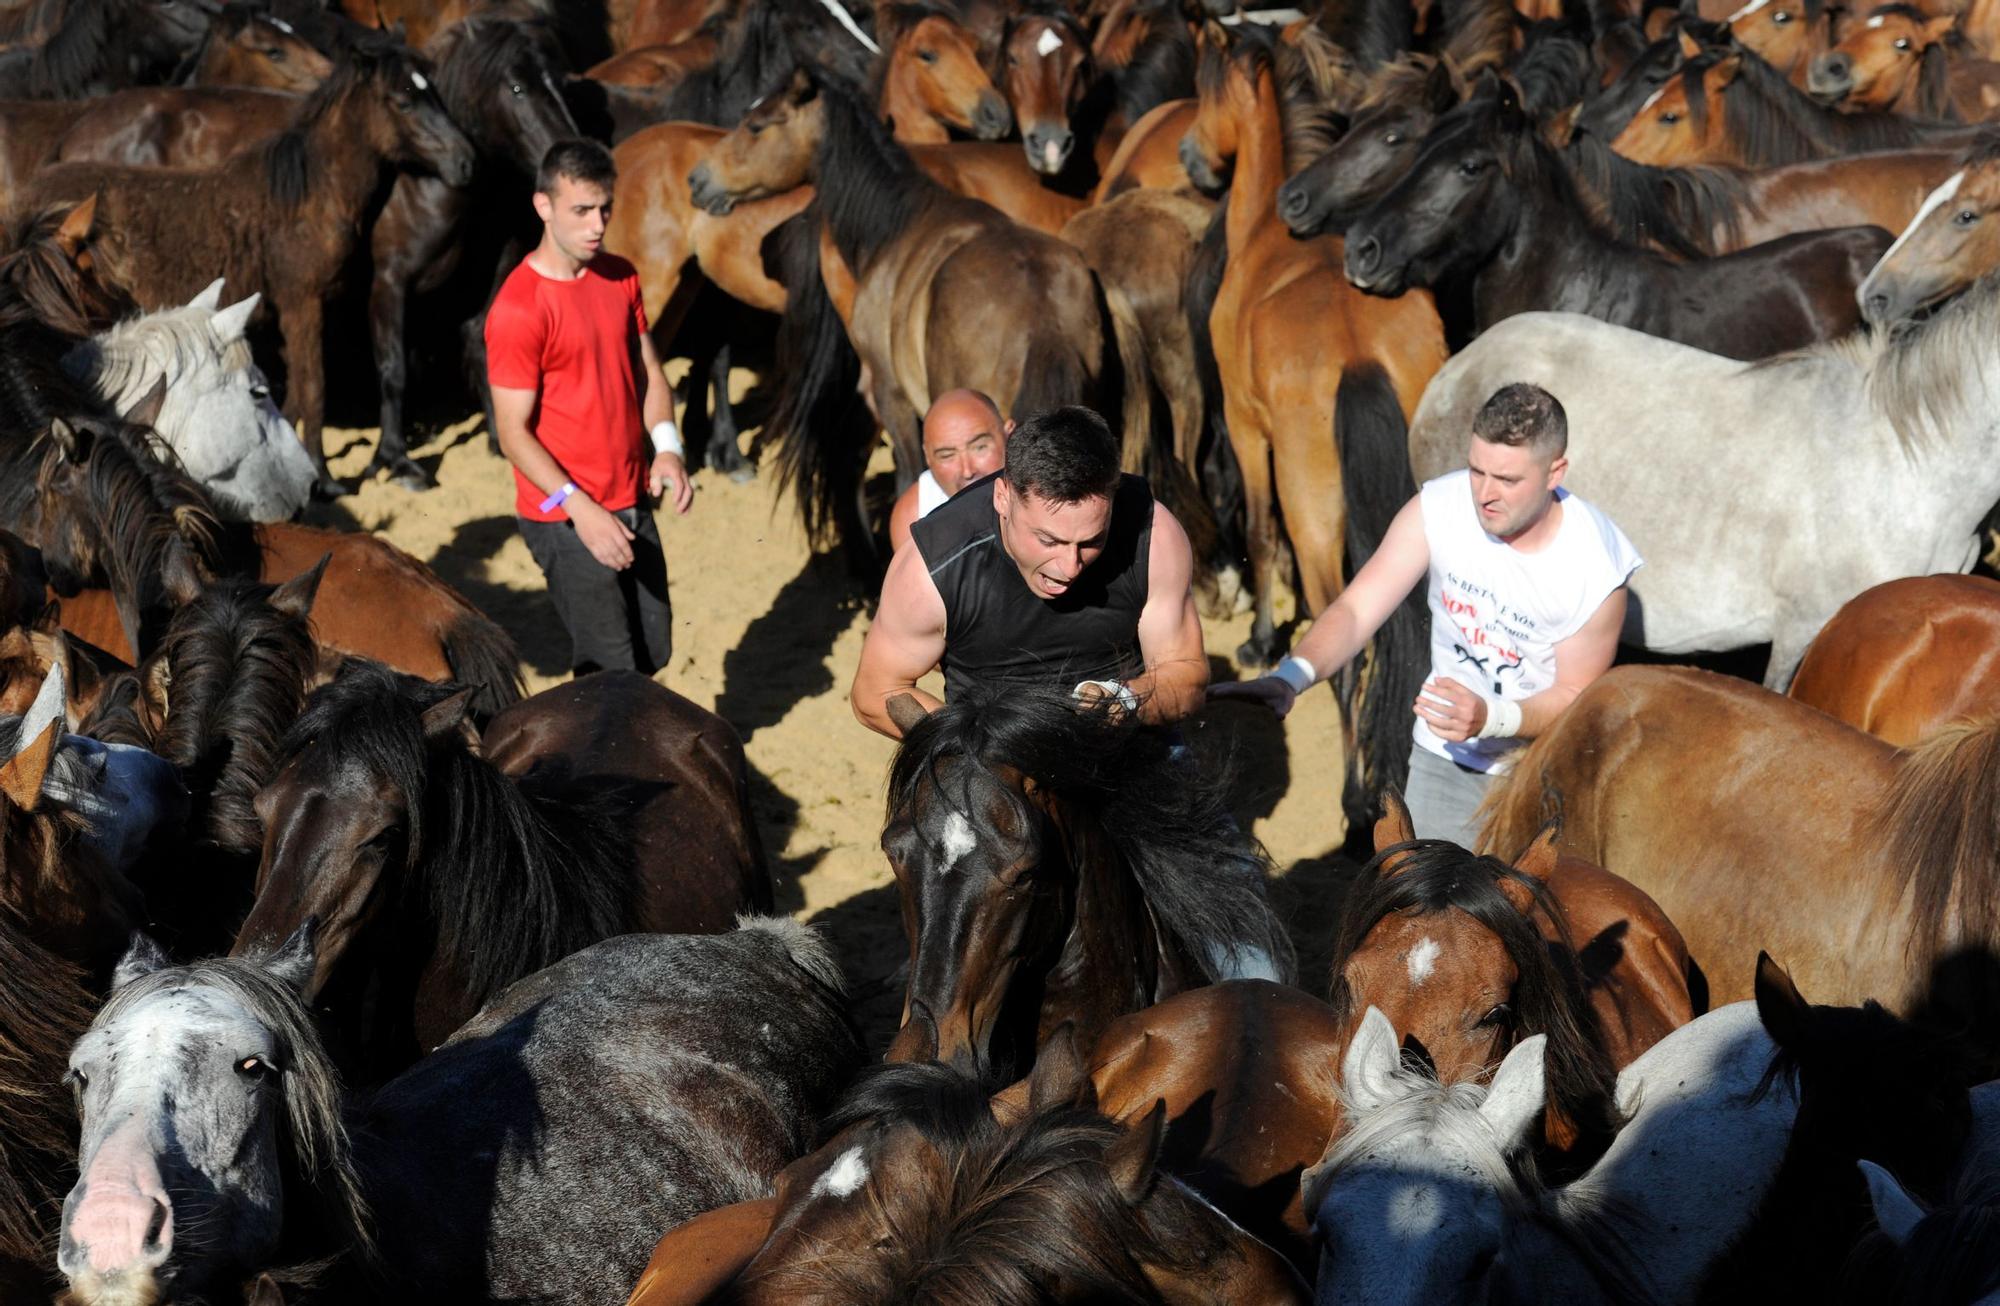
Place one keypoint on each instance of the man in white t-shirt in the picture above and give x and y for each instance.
(965, 438)
(1527, 595)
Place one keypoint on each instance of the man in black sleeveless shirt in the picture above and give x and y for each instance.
(1055, 572)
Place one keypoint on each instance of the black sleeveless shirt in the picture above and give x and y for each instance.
(999, 633)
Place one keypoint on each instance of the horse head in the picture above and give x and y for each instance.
(248, 48)
(933, 77)
(770, 152)
(1682, 122)
(1395, 114)
(1881, 60)
(500, 79)
(1787, 34)
(401, 115)
(1047, 70)
(1952, 242)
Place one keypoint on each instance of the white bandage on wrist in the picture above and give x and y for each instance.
(1503, 719)
(1117, 689)
(667, 439)
(1296, 672)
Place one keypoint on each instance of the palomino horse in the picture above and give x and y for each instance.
(600, 807)
(378, 111)
(1055, 867)
(1900, 60)
(1893, 408)
(1300, 354)
(1888, 863)
(1468, 956)
(930, 1189)
(1946, 247)
(1735, 1172)
(936, 291)
(216, 1141)
(1907, 658)
(1488, 202)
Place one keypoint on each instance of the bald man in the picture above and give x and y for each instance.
(965, 438)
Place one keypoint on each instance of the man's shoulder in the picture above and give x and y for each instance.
(613, 268)
(519, 292)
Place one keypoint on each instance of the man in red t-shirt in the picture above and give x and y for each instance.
(577, 389)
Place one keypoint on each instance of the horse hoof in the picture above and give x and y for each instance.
(1256, 654)
(411, 475)
(743, 475)
(326, 488)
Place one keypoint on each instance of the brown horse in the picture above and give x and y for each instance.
(931, 1190)
(444, 864)
(1787, 34)
(929, 68)
(317, 178)
(1150, 153)
(1907, 658)
(1759, 822)
(1901, 60)
(247, 48)
(1047, 74)
(1947, 247)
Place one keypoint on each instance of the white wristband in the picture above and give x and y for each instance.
(1503, 719)
(1295, 671)
(667, 439)
(1118, 689)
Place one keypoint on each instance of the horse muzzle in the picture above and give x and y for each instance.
(1367, 269)
(991, 118)
(1830, 79)
(1048, 148)
(118, 1222)
(1195, 164)
(1300, 210)
(708, 196)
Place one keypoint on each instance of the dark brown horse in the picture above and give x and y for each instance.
(444, 865)
(1908, 658)
(378, 111)
(73, 49)
(1758, 822)
(248, 48)
(931, 1190)
(1057, 867)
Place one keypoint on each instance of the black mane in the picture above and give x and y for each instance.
(289, 168)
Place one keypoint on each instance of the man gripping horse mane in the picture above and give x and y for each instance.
(1056, 571)
(1526, 589)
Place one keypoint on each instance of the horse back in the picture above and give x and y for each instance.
(1908, 657)
(1632, 959)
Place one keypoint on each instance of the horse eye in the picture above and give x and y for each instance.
(1392, 138)
(1669, 119)
(1470, 168)
(1780, 18)
(78, 1078)
(260, 392)
(1500, 1015)
(928, 56)
(516, 88)
(276, 54)
(1966, 217)
(1902, 43)
(1013, 61)
(255, 1067)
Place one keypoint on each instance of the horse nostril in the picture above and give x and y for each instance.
(1292, 202)
(1875, 307)
(1364, 254)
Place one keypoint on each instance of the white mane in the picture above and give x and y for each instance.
(174, 342)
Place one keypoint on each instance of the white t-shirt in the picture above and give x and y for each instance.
(930, 495)
(1497, 613)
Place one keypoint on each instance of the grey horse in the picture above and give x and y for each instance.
(537, 1156)
(1763, 495)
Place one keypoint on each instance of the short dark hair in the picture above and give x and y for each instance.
(1063, 456)
(1524, 414)
(579, 160)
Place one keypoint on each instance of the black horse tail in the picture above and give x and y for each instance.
(484, 656)
(1051, 377)
(820, 430)
(1374, 445)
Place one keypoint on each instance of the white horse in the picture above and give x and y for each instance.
(1763, 495)
(217, 413)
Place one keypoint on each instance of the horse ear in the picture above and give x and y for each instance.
(294, 598)
(1135, 1157)
(22, 775)
(145, 410)
(73, 441)
(917, 1040)
(210, 297)
(1059, 1074)
(1937, 29)
(1724, 72)
(1367, 1073)
(448, 716)
(1562, 128)
(142, 957)
(1690, 48)
(906, 712)
(264, 1292)
(230, 323)
(50, 617)
(77, 226)
(296, 959)
(1896, 1212)
(156, 681)
(1393, 826)
(51, 705)
(1779, 1006)
(1441, 87)
(180, 573)
(1519, 1090)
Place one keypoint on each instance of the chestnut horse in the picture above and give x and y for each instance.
(1786, 34)
(1948, 245)
(1901, 60)
(1907, 658)
(1759, 822)
(444, 864)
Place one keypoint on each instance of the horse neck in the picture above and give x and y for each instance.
(343, 170)
(874, 194)
(1260, 163)
(1548, 252)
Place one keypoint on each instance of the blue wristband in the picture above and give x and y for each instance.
(555, 500)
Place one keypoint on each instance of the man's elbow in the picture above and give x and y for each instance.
(868, 710)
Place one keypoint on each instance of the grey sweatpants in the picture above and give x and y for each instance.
(1442, 796)
(617, 620)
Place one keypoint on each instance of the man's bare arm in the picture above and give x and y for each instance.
(901, 518)
(668, 476)
(904, 644)
(607, 538)
(657, 404)
(1170, 628)
(1580, 659)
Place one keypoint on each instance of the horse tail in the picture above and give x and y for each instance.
(820, 431)
(1373, 441)
(1136, 450)
(1051, 377)
(1939, 829)
(484, 656)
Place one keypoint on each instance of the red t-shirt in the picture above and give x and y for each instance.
(572, 343)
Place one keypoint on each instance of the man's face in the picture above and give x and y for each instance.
(963, 445)
(575, 216)
(1510, 485)
(1050, 542)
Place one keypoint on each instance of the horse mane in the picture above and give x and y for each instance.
(1306, 71)
(124, 361)
(1372, 32)
(34, 845)
(317, 1146)
(868, 186)
(1478, 33)
(1433, 875)
(1682, 210)
(288, 162)
(755, 48)
(515, 876)
(1555, 70)
(1162, 66)
(1933, 98)
(40, 282)
(1923, 376)
(77, 35)
(1006, 1211)
(1940, 827)
(1203, 879)
(240, 669)
(44, 1008)
(1774, 122)
(1951, 1257)
(147, 506)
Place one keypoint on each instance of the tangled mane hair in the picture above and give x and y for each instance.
(239, 671)
(1775, 123)
(44, 1008)
(288, 160)
(756, 46)
(171, 344)
(515, 877)
(1951, 1257)
(1309, 72)
(1166, 820)
(1161, 64)
(41, 283)
(1940, 825)
(868, 186)
(1686, 211)
(1008, 1210)
(318, 1152)
(1427, 876)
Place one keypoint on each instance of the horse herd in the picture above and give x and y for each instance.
(334, 968)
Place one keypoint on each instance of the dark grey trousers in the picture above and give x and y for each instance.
(617, 620)
(1442, 797)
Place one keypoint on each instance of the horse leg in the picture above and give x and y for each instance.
(905, 425)
(1253, 458)
(302, 325)
(386, 302)
(412, 246)
(724, 454)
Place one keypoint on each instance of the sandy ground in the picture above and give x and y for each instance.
(766, 634)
